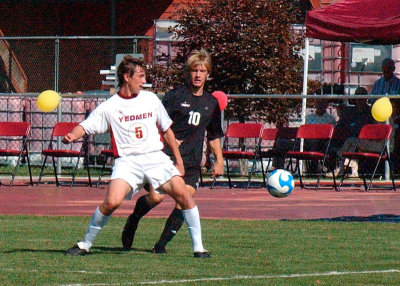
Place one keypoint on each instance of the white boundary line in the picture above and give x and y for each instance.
(247, 277)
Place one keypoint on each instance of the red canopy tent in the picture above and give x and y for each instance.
(366, 21)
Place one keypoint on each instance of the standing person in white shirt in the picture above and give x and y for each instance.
(136, 119)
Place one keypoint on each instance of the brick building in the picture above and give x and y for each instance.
(77, 18)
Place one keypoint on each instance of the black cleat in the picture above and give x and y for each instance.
(128, 234)
(203, 254)
(159, 249)
(75, 251)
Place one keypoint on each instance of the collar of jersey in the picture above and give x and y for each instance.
(125, 97)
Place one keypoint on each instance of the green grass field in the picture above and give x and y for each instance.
(243, 253)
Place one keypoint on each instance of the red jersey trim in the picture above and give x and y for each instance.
(126, 97)
(113, 144)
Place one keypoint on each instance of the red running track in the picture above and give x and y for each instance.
(219, 203)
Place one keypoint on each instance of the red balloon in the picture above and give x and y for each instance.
(222, 99)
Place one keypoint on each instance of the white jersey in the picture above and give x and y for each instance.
(134, 122)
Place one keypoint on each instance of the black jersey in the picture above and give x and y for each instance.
(192, 116)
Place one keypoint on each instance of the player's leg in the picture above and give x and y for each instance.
(117, 190)
(176, 188)
(175, 219)
(143, 205)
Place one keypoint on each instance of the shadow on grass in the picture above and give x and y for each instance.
(372, 218)
(120, 249)
(94, 250)
(21, 250)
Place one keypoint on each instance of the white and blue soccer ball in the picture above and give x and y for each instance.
(280, 183)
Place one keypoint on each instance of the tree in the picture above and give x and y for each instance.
(254, 51)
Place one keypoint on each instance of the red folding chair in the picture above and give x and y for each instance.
(370, 133)
(267, 149)
(72, 150)
(16, 136)
(318, 152)
(283, 139)
(241, 142)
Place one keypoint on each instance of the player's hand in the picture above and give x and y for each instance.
(180, 167)
(178, 142)
(217, 170)
(68, 138)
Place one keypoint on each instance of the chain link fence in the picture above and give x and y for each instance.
(65, 64)
(342, 112)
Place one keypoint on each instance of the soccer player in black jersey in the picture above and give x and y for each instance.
(193, 111)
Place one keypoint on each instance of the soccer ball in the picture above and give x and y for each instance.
(280, 183)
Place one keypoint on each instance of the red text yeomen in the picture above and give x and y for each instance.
(135, 117)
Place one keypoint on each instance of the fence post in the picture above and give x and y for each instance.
(56, 78)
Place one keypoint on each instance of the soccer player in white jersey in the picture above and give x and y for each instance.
(195, 113)
(136, 119)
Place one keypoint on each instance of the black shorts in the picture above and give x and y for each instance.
(192, 176)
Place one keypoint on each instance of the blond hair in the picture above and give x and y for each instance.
(198, 57)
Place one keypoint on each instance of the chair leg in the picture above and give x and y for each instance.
(15, 171)
(345, 169)
(228, 173)
(320, 170)
(300, 176)
(75, 170)
(289, 166)
(102, 170)
(41, 170)
(363, 177)
(372, 176)
(229, 176)
(265, 172)
(55, 170)
(251, 173)
(88, 171)
(334, 177)
(29, 169)
(391, 174)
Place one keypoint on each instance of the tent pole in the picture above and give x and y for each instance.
(305, 79)
(304, 99)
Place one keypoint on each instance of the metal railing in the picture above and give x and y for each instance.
(76, 107)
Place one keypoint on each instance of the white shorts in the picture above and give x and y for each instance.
(155, 168)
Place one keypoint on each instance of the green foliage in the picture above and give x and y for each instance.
(243, 253)
(254, 51)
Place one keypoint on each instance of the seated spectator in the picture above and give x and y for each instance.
(350, 123)
(321, 116)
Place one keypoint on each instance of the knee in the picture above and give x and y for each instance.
(191, 190)
(154, 199)
(109, 206)
(185, 200)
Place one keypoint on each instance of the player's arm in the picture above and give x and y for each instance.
(76, 133)
(169, 139)
(218, 168)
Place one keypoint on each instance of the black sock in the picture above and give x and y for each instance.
(173, 224)
(141, 208)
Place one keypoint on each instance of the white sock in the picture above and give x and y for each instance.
(98, 221)
(192, 218)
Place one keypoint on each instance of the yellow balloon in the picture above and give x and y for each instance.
(48, 100)
(382, 109)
